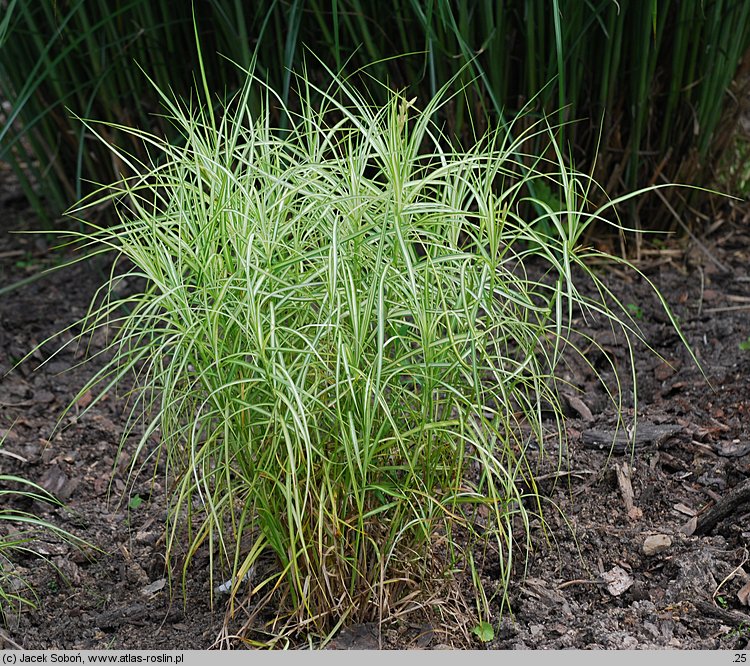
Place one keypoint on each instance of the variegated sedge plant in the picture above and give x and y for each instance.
(342, 345)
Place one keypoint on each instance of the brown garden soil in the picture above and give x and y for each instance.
(647, 550)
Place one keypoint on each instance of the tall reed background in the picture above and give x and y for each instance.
(643, 92)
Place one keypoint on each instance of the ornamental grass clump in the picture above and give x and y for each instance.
(341, 344)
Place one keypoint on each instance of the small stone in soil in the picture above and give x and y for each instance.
(656, 543)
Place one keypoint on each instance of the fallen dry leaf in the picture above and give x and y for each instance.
(690, 526)
(683, 508)
(154, 587)
(618, 580)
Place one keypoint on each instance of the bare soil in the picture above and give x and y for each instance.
(636, 552)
